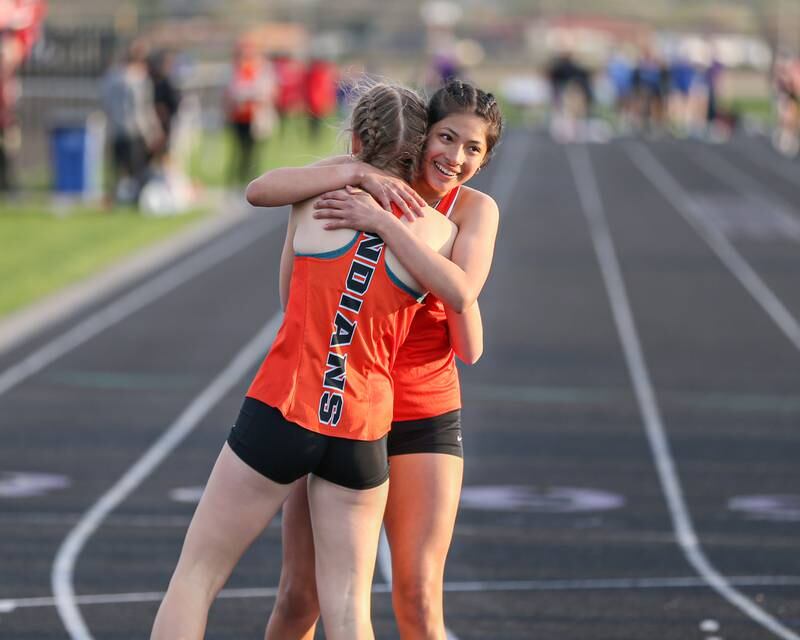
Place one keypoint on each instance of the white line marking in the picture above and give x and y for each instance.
(759, 154)
(742, 182)
(136, 299)
(512, 158)
(683, 203)
(594, 210)
(62, 572)
(594, 584)
(19, 325)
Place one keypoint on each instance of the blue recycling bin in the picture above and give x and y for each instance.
(69, 145)
(76, 146)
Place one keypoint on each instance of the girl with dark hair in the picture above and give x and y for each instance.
(320, 406)
(425, 443)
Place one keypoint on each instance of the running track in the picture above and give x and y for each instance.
(632, 431)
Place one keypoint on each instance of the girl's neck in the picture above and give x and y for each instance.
(428, 195)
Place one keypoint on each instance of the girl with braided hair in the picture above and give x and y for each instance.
(425, 443)
(320, 406)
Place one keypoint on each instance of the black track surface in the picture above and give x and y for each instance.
(550, 406)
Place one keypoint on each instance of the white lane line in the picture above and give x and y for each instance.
(131, 302)
(592, 584)
(17, 326)
(511, 157)
(594, 210)
(684, 204)
(740, 180)
(760, 154)
(63, 566)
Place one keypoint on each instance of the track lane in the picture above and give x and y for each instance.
(549, 406)
(732, 346)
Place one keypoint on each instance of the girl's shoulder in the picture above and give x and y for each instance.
(471, 203)
(310, 235)
(431, 226)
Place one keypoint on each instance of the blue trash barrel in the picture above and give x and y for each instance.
(76, 152)
(69, 147)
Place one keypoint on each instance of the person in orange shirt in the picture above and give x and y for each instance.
(320, 93)
(20, 26)
(248, 102)
(320, 406)
(289, 101)
(425, 443)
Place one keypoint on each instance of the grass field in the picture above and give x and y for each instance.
(44, 247)
(41, 252)
(760, 109)
(289, 146)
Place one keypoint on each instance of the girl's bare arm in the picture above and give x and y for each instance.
(287, 185)
(466, 333)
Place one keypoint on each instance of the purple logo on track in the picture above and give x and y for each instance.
(20, 484)
(551, 500)
(777, 507)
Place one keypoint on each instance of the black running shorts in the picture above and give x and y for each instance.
(440, 434)
(283, 451)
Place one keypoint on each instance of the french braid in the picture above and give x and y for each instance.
(391, 123)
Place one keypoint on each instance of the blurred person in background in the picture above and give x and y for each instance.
(698, 98)
(708, 120)
(650, 89)
(290, 76)
(620, 73)
(445, 67)
(682, 77)
(571, 97)
(169, 189)
(133, 124)
(20, 22)
(166, 99)
(249, 109)
(442, 63)
(719, 123)
(786, 88)
(320, 87)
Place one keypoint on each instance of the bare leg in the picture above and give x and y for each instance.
(294, 616)
(427, 485)
(237, 504)
(346, 525)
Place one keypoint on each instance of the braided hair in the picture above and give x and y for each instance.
(457, 96)
(391, 123)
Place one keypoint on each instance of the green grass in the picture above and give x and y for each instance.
(289, 146)
(761, 109)
(41, 252)
(44, 247)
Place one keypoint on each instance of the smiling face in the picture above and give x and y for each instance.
(454, 151)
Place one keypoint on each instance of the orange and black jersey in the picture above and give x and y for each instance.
(425, 377)
(329, 367)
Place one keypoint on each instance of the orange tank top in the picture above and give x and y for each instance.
(425, 375)
(329, 368)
